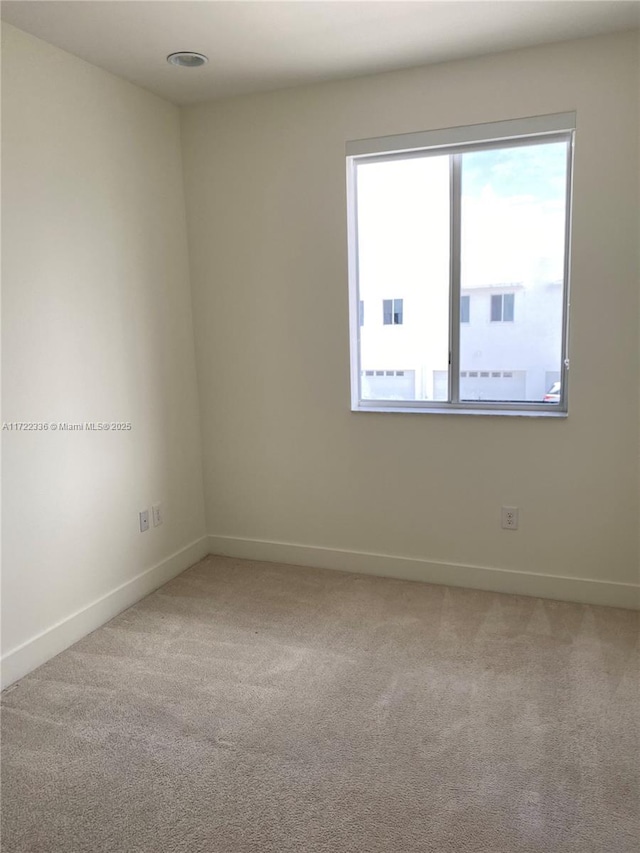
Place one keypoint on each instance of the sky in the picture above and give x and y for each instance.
(536, 171)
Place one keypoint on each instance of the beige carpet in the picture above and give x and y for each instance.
(261, 708)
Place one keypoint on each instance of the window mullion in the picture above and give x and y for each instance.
(455, 183)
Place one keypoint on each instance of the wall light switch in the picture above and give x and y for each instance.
(144, 520)
(156, 512)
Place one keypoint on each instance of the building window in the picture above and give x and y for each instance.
(361, 312)
(392, 312)
(502, 307)
(480, 211)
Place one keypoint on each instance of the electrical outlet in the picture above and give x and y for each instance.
(156, 514)
(509, 517)
(144, 520)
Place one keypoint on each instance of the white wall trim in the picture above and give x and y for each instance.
(49, 643)
(34, 652)
(584, 590)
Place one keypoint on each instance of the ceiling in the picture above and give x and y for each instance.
(257, 46)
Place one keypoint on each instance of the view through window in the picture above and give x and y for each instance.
(470, 242)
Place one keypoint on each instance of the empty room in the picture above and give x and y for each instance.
(320, 426)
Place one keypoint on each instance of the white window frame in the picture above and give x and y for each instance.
(456, 141)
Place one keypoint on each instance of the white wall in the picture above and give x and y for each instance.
(97, 326)
(285, 459)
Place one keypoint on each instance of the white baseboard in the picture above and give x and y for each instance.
(41, 648)
(583, 590)
(36, 651)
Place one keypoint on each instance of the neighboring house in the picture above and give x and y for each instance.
(510, 343)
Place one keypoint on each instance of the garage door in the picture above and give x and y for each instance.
(388, 384)
(507, 385)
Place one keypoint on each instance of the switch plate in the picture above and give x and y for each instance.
(156, 514)
(144, 520)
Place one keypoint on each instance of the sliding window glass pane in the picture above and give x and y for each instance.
(464, 309)
(512, 264)
(403, 265)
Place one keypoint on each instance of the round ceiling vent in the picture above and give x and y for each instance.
(187, 59)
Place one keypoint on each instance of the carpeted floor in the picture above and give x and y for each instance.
(261, 708)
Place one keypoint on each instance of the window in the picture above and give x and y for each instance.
(392, 312)
(464, 309)
(480, 211)
(361, 312)
(502, 307)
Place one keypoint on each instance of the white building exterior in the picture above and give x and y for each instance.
(517, 359)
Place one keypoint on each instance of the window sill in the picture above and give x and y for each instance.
(425, 410)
